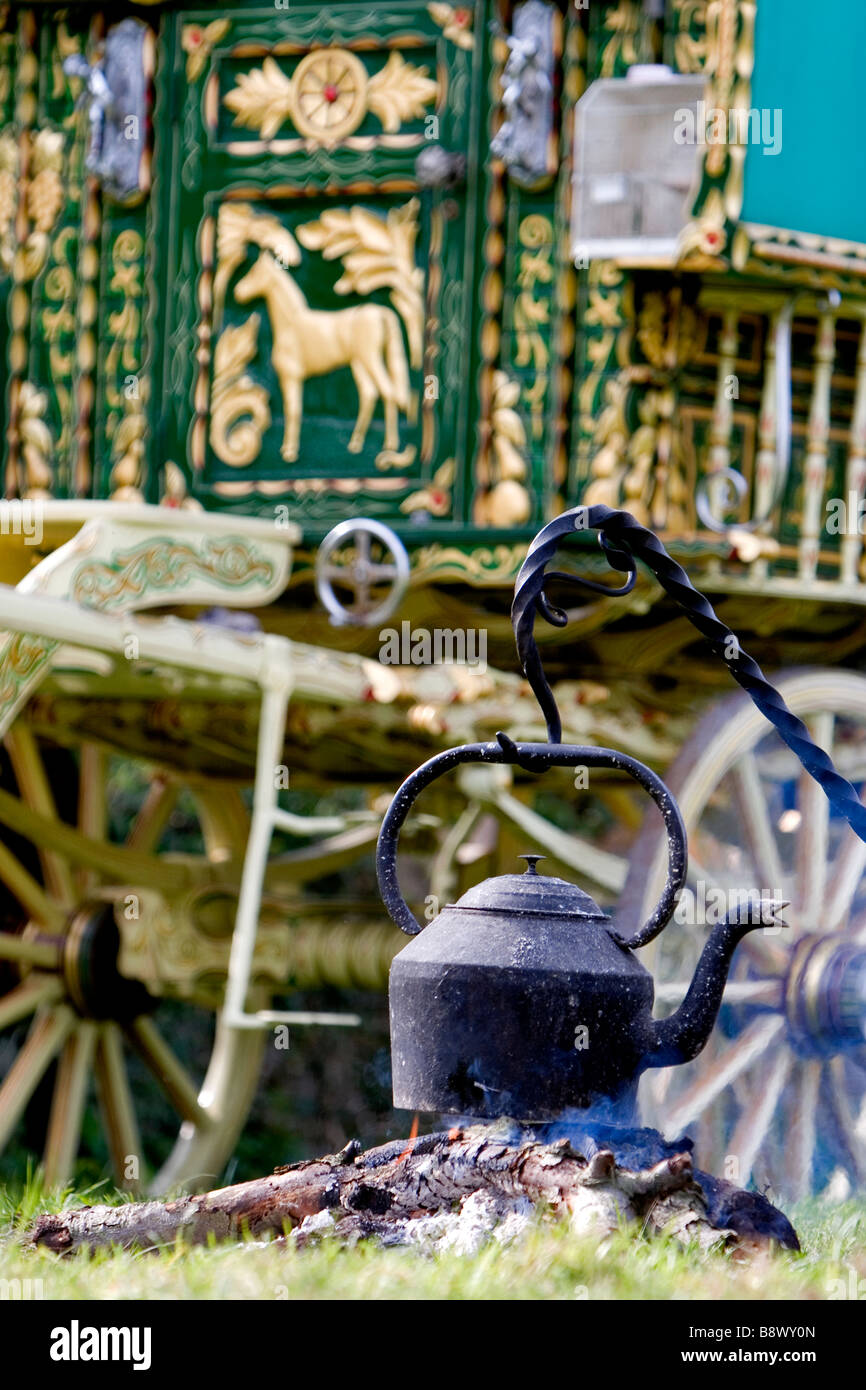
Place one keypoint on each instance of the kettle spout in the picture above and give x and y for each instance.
(682, 1036)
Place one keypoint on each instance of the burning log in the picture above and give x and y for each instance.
(451, 1189)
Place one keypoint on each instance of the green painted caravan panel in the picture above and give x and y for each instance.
(809, 64)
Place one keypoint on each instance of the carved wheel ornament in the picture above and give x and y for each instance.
(330, 94)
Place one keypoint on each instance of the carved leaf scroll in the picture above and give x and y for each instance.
(262, 99)
(400, 92)
(377, 253)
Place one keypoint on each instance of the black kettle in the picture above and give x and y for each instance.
(522, 998)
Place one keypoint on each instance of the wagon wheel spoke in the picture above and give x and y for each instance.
(115, 1097)
(65, 941)
(743, 1053)
(168, 1070)
(92, 807)
(813, 838)
(30, 894)
(110, 861)
(759, 992)
(44, 955)
(799, 1110)
(848, 1143)
(443, 872)
(760, 834)
(150, 823)
(845, 880)
(67, 1105)
(802, 1129)
(33, 784)
(26, 998)
(45, 1039)
(699, 873)
(757, 1116)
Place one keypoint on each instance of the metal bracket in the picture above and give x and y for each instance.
(118, 88)
(523, 140)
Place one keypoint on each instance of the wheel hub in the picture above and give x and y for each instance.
(96, 986)
(825, 996)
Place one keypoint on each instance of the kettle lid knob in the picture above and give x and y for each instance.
(531, 861)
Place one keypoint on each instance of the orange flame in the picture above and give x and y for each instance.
(413, 1135)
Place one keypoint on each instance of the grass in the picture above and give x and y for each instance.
(549, 1263)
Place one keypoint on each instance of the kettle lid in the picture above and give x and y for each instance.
(532, 892)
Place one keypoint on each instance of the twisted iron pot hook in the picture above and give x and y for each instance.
(624, 542)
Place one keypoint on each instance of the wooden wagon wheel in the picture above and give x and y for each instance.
(780, 1091)
(62, 883)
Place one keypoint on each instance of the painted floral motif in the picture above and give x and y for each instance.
(455, 21)
(197, 41)
(435, 499)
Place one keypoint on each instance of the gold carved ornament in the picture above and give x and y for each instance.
(126, 384)
(240, 411)
(197, 41)
(328, 95)
(690, 52)
(532, 314)
(505, 500)
(367, 338)
(45, 198)
(37, 444)
(175, 492)
(8, 198)
(455, 21)
(643, 469)
(377, 253)
(436, 498)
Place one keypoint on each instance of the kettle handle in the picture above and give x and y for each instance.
(534, 757)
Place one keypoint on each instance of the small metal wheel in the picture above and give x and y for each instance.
(779, 1093)
(366, 559)
(85, 988)
(330, 94)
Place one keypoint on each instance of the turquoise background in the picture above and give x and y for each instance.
(810, 61)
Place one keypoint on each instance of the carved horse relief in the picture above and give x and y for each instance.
(309, 342)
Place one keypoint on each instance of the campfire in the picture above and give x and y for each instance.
(453, 1190)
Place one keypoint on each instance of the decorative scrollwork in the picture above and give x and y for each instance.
(166, 563)
(240, 412)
